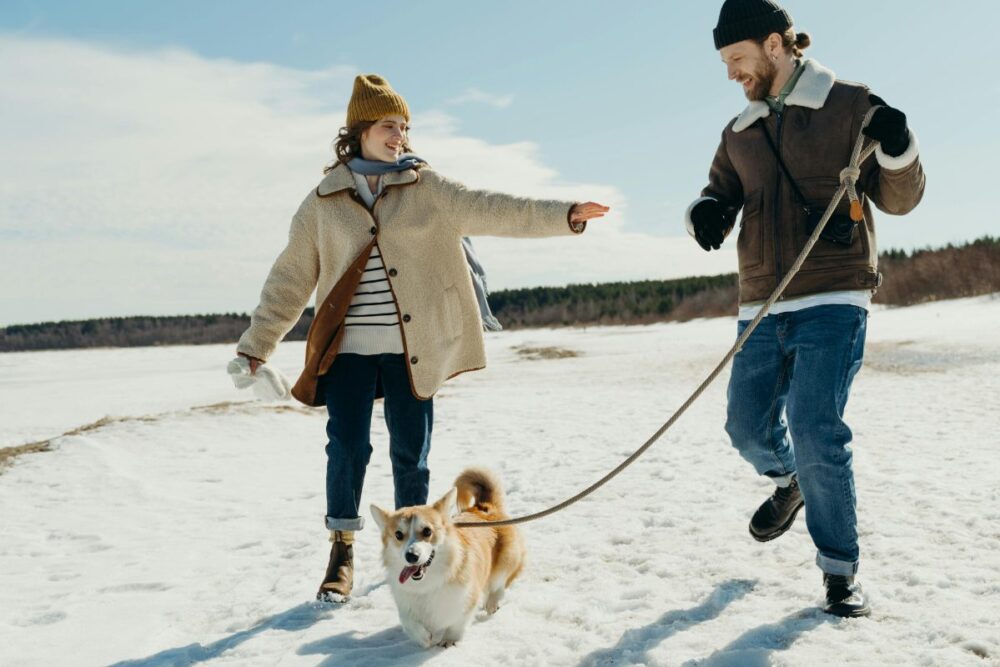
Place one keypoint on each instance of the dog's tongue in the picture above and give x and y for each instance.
(407, 572)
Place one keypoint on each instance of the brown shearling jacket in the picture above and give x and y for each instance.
(816, 134)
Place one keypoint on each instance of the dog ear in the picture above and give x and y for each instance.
(380, 515)
(447, 502)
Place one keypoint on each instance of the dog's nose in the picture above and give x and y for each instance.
(411, 557)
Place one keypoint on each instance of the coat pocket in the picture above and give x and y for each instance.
(818, 193)
(453, 318)
(750, 244)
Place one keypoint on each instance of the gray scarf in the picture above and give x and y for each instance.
(490, 323)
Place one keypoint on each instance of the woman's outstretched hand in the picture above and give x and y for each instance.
(588, 211)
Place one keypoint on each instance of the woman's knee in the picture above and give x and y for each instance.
(355, 442)
(412, 455)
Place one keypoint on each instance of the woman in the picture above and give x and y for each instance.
(380, 240)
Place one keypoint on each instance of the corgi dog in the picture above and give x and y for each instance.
(441, 575)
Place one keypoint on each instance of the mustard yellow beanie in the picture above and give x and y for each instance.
(374, 98)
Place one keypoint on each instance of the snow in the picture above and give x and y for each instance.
(188, 527)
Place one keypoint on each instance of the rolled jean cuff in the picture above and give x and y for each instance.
(782, 480)
(841, 568)
(333, 523)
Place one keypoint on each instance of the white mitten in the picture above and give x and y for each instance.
(239, 373)
(268, 383)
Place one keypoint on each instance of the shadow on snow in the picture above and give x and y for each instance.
(388, 647)
(296, 619)
(754, 647)
(392, 647)
(635, 643)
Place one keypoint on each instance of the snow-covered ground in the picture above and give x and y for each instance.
(187, 528)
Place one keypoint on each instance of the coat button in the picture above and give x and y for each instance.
(413, 360)
(393, 273)
(406, 318)
(373, 230)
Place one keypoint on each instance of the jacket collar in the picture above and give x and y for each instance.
(811, 92)
(341, 178)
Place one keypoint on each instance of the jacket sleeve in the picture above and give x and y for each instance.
(287, 289)
(724, 186)
(894, 184)
(485, 213)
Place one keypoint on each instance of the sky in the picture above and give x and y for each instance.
(152, 154)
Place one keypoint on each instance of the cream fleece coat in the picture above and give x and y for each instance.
(418, 222)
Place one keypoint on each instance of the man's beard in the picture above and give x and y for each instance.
(763, 79)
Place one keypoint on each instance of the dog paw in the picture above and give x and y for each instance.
(447, 643)
(420, 634)
(491, 608)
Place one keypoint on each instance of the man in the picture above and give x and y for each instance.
(791, 380)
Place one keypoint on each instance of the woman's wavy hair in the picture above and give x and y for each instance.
(347, 145)
(796, 42)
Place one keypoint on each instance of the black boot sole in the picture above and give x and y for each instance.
(848, 611)
(780, 530)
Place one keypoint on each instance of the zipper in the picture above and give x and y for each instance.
(778, 271)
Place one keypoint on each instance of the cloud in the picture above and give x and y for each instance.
(162, 182)
(476, 96)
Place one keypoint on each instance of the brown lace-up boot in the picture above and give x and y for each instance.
(339, 579)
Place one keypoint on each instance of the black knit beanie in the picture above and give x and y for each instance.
(749, 19)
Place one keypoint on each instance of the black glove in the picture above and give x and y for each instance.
(888, 127)
(710, 224)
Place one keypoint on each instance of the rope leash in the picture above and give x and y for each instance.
(848, 179)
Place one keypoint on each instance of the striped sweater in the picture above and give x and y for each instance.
(372, 322)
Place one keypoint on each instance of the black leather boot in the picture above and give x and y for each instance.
(339, 579)
(844, 597)
(778, 512)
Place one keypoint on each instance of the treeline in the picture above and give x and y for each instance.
(135, 332)
(617, 303)
(910, 278)
(943, 273)
(929, 274)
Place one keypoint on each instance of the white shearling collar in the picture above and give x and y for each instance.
(811, 92)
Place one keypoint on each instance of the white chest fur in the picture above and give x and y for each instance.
(440, 613)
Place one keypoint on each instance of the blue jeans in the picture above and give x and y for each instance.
(790, 383)
(349, 389)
